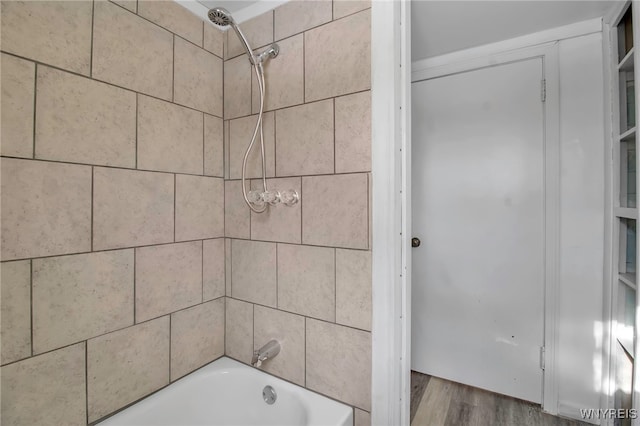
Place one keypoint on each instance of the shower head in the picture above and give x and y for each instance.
(221, 17)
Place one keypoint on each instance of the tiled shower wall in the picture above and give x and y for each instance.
(302, 274)
(112, 253)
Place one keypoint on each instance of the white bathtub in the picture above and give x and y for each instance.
(227, 392)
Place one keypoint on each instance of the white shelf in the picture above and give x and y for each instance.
(626, 212)
(628, 135)
(626, 64)
(628, 279)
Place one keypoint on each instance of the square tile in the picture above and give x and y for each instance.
(343, 8)
(240, 134)
(213, 39)
(239, 330)
(288, 330)
(168, 278)
(297, 16)
(227, 266)
(226, 149)
(172, 16)
(84, 121)
(15, 311)
(213, 269)
(284, 76)
(339, 362)
(362, 418)
(304, 141)
(170, 137)
(57, 33)
(237, 87)
(335, 211)
(213, 146)
(353, 133)
(18, 97)
(253, 271)
(258, 31)
(131, 208)
(126, 365)
(279, 223)
(236, 211)
(131, 52)
(199, 207)
(197, 337)
(81, 296)
(338, 57)
(45, 390)
(46, 208)
(307, 281)
(197, 78)
(131, 5)
(353, 288)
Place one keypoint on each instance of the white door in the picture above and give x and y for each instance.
(478, 208)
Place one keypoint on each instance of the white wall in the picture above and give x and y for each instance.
(582, 198)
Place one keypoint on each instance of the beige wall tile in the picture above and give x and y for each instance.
(227, 263)
(338, 57)
(126, 365)
(226, 149)
(362, 418)
(288, 329)
(258, 31)
(347, 7)
(296, 16)
(213, 146)
(168, 278)
(131, 5)
(131, 208)
(46, 208)
(213, 39)
(279, 223)
(54, 32)
(239, 330)
(335, 211)
(197, 337)
(213, 269)
(339, 362)
(353, 288)
(131, 52)
(253, 271)
(199, 207)
(15, 311)
(45, 390)
(284, 76)
(353, 133)
(170, 15)
(84, 121)
(237, 87)
(170, 137)
(236, 212)
(18, 88)
(81, 296)
(306, 281)
(304, 141)
(240, 134)
(198, 78)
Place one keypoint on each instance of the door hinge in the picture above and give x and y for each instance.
(543, 90)
(542, 357)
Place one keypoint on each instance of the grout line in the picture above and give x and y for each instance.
(174, 206)
(93, 18)
(173, 70)
(86, 377)
(93, 171)
(31, 302)
(35, 104)
(135, 283)
(136, 153)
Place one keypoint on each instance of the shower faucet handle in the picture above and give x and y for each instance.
(289, 197)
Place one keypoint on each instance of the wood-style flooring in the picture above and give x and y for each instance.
(439, 402)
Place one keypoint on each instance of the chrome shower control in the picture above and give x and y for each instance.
(289, 197)
(269, 395)
(255, 197)
(271, 197)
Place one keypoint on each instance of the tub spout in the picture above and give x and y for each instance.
(268, 351)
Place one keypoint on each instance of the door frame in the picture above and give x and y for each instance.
(548, 52)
